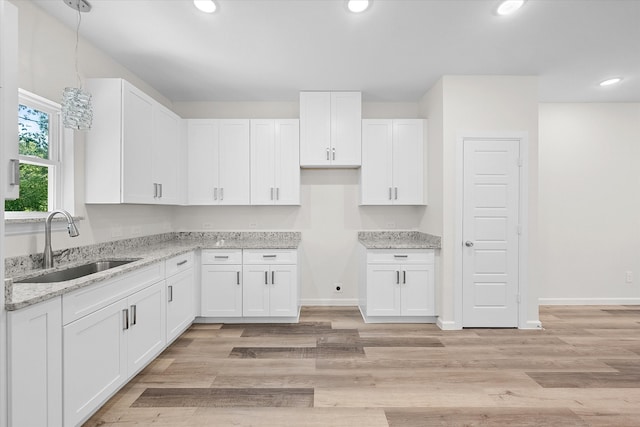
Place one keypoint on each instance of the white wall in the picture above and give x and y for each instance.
(475, 104)
(589, 203)
(46, 67)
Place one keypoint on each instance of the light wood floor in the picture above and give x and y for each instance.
(583, 369)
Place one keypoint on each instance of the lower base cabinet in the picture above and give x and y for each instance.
(35, 365)
(221, 283)
(103, 349)
(269, 291)
(180, 303)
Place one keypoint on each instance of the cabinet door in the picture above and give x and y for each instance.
(383, 290)
(234, 164)
(221, 291)
(376, 174)
(35, 365)
(256, 281)
(346, 128)
(146, 335)
(283, 290)
(408, 179)
(418, 292)
(315, 129)
(9, 95)
(180, 303)
(287, 162)
(137, 146)
(263, 162)
(202, 161)
(166, 155)
(95, 361)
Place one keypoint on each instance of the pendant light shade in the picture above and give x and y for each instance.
(77, 112)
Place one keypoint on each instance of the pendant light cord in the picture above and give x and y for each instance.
(76, 50)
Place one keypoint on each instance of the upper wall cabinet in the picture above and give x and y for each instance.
(218, 161)
(275, 162)
(9, 98)
(392, 162)
(134, 150)
(330, 129)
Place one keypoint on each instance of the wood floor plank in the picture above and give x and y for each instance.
(225, 397)
(522, 417)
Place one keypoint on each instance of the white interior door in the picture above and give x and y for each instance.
(490, 233)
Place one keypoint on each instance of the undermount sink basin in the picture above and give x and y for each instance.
(78, 271)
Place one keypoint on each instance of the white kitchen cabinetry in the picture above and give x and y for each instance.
(399, 284)
(221, 283)
(218, 161)
(275, 162)
(330, 129)
(180, 294)
(35, 365)
(270, 283)
(392, 170)
(134, 149)
(9, 99)
(107, 346)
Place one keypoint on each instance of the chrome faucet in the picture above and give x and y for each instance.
(73, 232)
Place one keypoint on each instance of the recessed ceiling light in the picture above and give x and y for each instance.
(508, 7)
(206, 6)
(357, 6)
(610, 82)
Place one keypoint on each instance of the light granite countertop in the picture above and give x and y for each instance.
(398, 240)
(144, 250)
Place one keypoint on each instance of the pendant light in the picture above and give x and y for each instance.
(77, 112)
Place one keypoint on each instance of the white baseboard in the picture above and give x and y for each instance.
(532, 324)
(447, 325)
(325, 302)
(589, 301)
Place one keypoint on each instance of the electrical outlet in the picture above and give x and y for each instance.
(338, 288)
(207, 225)
(116, 232)
(629, 277)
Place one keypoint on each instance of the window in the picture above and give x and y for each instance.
(41, 154)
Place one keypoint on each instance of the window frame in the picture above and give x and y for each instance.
(60, 165)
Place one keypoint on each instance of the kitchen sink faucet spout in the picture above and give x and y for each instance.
(73, 232)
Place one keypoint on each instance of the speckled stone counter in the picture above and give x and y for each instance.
(398, 240)
(145, 250)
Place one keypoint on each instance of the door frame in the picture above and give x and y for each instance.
(523, 207)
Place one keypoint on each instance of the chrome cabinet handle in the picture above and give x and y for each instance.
(396, 193)
(468, 244)
(221, 193)
(155, 190)
(390, 193)
(334, 153)
(14, 176)
(401, 256)
(160, 185)
(266, 277)
(134, 315)
(125, 319)
(269, 256)
(273, 277)
(181, 263)
(277, 193)
(327, 153)
(271, 193)
(221, 256)
(397, 277)
(170, 293)
(215, 193)
(237, 277)
(404, 277)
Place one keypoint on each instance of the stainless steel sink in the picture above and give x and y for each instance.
(78, 271)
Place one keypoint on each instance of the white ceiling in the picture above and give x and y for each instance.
(269, 50)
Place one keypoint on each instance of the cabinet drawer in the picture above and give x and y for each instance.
(178, 263)
(270, 256)
(400, 256)
(222, 256)
(84, 301)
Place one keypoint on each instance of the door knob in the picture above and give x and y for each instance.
(468, 244)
